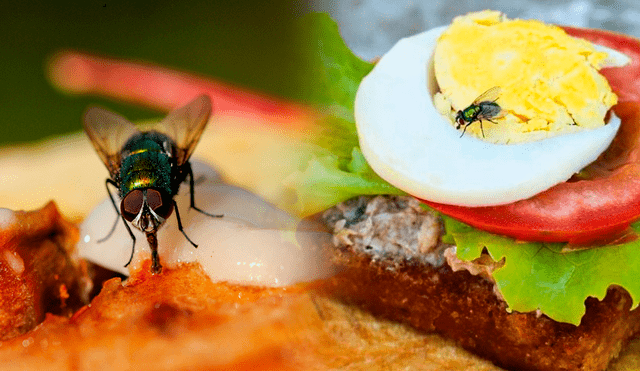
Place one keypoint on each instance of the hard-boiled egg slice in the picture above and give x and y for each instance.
(409, 144)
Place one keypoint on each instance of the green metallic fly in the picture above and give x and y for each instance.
(147, 167)
(483, 108)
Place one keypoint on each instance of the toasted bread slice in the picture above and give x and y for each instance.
(390, 272)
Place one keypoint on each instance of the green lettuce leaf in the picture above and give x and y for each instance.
(327, 180)
(542, 276)
(335, 169)
(333, 71)
(535, 276)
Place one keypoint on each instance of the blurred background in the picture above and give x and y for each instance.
(371, 27)
(247, 43)
(242, 42)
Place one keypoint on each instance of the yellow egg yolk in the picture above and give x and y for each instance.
(549, 81)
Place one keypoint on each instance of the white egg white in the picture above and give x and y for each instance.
(410, 145)
(254, 243)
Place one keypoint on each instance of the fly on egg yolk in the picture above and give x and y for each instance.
(549, 81)
(406, 110)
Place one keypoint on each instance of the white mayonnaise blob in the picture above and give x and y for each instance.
(254, 243)
(7, 218)
(409, 144)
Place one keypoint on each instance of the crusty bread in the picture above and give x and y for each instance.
(181, 320)
(463, 306)
(38, 273)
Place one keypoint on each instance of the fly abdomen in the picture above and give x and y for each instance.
(490, 110)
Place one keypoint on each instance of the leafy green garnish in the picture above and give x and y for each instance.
(335, 169)
(328, 179)
(535, 276)
(539, 275)
(334, 72)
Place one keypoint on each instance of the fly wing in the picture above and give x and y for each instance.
(490, 111)
(490, 95)
(500, 114)
(185, 126)
(108, 133)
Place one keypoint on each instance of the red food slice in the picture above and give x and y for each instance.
(585, 211)
(589, 210)
(166, 89)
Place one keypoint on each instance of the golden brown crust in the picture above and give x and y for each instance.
(177, 320)
(180, 320)
(463, 307)
(37, 273)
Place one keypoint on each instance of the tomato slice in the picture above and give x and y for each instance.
(581, 211)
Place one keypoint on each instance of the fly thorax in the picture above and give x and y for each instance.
(471, 112)
(146, 169)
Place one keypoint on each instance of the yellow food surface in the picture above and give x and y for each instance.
(549, 81)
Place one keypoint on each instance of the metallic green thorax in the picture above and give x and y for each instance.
(470, 112)
(146, 165)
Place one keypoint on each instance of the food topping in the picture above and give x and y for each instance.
(549, 81)
(397, 229)
(38, 270)
(254, 243)
(394, 228)
(408, 143)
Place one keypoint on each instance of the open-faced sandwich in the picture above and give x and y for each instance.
(514, 146)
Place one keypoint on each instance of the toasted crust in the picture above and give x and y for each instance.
(180, 320)
(38, 273)
(464, 307)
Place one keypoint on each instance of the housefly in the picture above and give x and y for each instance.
(483, 108)
(147, 167)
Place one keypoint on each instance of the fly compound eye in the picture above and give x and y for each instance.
(159, 202)
(131, 204)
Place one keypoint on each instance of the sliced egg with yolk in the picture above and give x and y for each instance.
(412, 146)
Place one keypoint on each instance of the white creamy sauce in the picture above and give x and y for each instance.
(254, 243)
(7, 218)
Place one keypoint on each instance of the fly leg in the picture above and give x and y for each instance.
(113, 228)
(193, 199)
(115, 222)
(463, 130)
(156, 267)
(175, 206)
(192, 205)
(113, 202)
